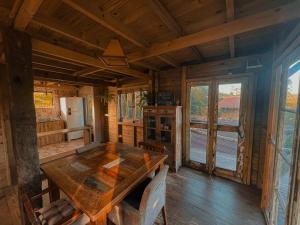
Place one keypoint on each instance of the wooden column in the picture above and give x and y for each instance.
(16, 92)
(184, 112)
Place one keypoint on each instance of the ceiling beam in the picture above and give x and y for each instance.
(230, 17)
(14, 10)
(27, 10)
(60, 52)
(52, 66)
(57, 27)
(165, 16)
(88, 9)
(87, 71)
(260, 20)
(40, 75)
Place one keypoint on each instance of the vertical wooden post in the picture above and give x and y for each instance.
(16, 91)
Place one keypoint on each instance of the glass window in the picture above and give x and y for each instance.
(199, 104)
(131, 105)
(229, 104)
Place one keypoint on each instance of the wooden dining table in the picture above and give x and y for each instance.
(99, 179)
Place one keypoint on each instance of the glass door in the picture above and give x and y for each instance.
(219, 127)
(227, 124)
(286, 141)
(199, 124)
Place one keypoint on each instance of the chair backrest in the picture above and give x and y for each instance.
(32, 217)
(154, 197)
(153, 147)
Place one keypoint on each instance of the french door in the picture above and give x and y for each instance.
(219, 123)
(286, 145)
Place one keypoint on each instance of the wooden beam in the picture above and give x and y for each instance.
(14, 10)
(16, 88)
(87, 71)
(106, 20)
(57, 27)
(262, 19)
(40, 75)
(230, 17)
(52, 66)
(165, 16)
(28, 9)
(57, 51)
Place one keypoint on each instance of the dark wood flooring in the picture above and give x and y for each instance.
(194, 198)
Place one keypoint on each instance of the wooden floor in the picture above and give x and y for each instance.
(194, 198)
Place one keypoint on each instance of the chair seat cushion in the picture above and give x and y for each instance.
(56, 212)
(135, 197)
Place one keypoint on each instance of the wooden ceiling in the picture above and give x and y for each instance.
(68, 35)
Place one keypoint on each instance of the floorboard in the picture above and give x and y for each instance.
(194, 198)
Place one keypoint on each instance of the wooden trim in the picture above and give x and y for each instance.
(253, 22)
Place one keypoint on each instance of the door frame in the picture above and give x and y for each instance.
(213, 81)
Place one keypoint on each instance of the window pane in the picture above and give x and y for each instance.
(198, 145)
(293, 86)
(229, 104)
(199, 103)
(288, 135)
(226, 150)
(130, 106)
(283, 169)
(123, 105)
(138, 106)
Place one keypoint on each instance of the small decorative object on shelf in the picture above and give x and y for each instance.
(163, 125)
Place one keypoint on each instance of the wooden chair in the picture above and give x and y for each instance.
(143, 205)
(153, 147)
(60, 212)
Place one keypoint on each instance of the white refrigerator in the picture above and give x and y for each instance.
(72, 113)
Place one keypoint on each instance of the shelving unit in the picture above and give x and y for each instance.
(163, 125)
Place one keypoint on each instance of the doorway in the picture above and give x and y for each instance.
(219, 123)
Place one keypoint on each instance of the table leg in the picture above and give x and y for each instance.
(54, 191)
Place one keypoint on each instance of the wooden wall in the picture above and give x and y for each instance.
(46, 114)
(112, 120)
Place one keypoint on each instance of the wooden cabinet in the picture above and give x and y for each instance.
(163, 125)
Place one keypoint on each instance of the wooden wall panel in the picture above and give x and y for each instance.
(170, 81)
(128, 135)
(50, 126)
(112, 120)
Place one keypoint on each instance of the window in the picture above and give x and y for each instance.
(43, 99)
(131, 105)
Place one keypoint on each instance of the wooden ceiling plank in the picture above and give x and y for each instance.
(60, 52)
(26, 12)
(165, 16)
(230, 17)
(107, 21)
(263, 19)
(52, 66)
(55, 26)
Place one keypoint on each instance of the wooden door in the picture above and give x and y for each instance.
(219, 126)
